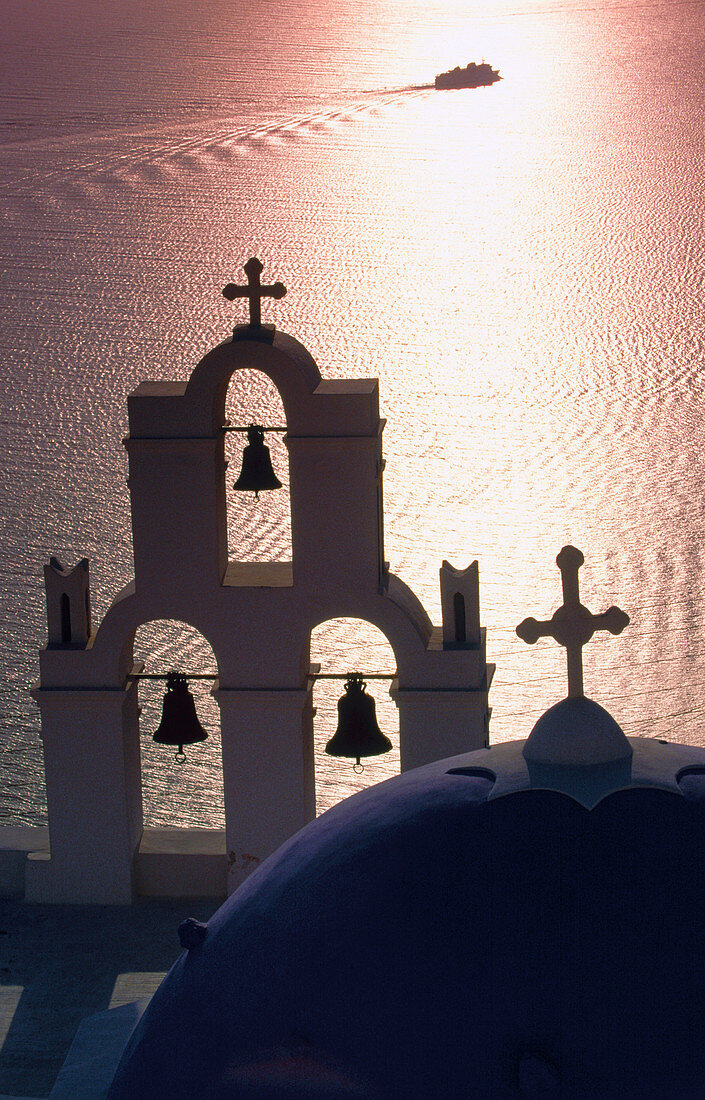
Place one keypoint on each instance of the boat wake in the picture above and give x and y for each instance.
(84, 166)
(399, 91)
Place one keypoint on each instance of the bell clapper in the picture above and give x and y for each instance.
(357, 767)
(180, 756)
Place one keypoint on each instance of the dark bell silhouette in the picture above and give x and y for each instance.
(257, 472)
(357, 734)
(179, 724)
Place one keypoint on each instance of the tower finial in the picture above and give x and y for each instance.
(572, 625)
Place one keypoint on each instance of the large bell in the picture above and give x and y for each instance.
(357, 734)
(257, 472)
(179, 724)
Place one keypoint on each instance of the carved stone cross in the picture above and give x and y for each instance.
(254, 290)
(572, 625)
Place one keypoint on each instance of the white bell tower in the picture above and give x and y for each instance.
(257, 617)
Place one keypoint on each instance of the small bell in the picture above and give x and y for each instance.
(257, 472)
(179, 724)
(357, 734)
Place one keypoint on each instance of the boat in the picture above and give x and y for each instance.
(472, 76)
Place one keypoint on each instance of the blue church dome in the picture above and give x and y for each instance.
(464, 929)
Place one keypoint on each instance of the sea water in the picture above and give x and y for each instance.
(520, 265)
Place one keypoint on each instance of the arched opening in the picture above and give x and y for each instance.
(259, 529)
(188, 795)
(343, 646)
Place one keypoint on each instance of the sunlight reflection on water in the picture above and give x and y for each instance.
(521, 266)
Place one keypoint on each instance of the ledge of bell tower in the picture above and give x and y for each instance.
(259, 574)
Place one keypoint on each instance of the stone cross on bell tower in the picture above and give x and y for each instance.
(255, 291)
(572, 625)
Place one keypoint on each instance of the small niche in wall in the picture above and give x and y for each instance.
(459, 617)
(65, 610)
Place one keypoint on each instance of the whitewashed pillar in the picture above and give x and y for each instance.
(94, 795)
(435, 724)
(268, 772)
